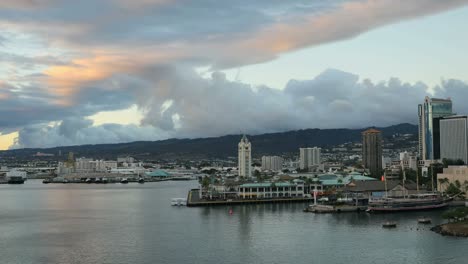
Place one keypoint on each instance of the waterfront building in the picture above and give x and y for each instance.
(454, 138)
(452, 175)
(377, 188)
(272, 163)
(309, 157)
(429, 114)
(245, 158)
(271, 190)
(372, 151)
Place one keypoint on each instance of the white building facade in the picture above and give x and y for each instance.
(408, 160)
(245, 158)
(309, 157)
(272, 163)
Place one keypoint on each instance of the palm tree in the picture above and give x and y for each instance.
(443, 182)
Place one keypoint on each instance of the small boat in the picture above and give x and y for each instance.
(141, 180)
(124, 180)
(424, 220)
(389, 224)
(178, 201)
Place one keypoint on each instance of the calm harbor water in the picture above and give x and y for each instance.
(114, 223)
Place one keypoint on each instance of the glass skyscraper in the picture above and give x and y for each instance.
(429, 129)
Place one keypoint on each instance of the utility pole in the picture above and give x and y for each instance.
(432, 176)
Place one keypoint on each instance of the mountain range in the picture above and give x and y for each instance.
(219, 147)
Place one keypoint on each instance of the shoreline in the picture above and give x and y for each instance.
(459, 229)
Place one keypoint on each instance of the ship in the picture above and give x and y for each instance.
(16, 176)
(414, 202)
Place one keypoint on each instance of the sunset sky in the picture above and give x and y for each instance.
(88, 72)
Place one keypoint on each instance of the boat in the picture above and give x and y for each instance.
(16, 176)
(320, 208)
(141, 180)
(178, 201)
(389, 224)
(411, 203)
(124, 180)
(15, 180)
(424, 220)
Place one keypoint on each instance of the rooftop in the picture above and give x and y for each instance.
(371, 131)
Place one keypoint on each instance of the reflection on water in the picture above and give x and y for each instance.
(134, 223)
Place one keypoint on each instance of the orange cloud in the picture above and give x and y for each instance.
(65, 80)
(347, 21)
(6, 140)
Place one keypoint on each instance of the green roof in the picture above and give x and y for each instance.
(157, 173)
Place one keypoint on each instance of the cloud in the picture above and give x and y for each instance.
(83, 61)
(176, 102)
(79, 131)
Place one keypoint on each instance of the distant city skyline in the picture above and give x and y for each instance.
(153, 70)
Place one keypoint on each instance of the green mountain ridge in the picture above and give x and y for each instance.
(218, 147)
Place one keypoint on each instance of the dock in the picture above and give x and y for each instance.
(193, 200)
(321, 209)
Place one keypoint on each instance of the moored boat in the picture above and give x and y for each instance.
(410, 203)
(16, 176)
(178, 201)
(389, 224)
(424, 220)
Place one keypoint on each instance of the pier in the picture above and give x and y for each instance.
(193, 200)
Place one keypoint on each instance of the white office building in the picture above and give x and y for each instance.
(454, 138)
(272, 163)
(408, 160)
(309, 157)
(245, 158)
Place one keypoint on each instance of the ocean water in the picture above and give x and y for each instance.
(135, 223)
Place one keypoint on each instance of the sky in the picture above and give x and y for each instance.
(109, 71)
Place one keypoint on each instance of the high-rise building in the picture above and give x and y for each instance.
(245, 158)
(454, 138)
(372, 151)
(309, 157)
(273, 163)
(429, 114)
